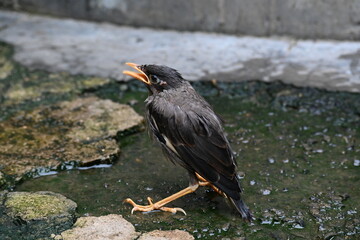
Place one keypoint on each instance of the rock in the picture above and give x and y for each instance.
(39, 205)
(35, 214)
(110, 227)
(81, 131)
(41, 44)
(96, 118)
(56, 83)
(166, 235)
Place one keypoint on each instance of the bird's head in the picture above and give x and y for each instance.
(156, 77)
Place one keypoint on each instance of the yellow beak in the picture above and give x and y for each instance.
(138, 75)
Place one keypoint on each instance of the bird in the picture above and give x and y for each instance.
(191, 135)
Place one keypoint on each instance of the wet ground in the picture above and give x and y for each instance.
(297, 150)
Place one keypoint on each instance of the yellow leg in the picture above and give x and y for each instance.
(160, 204)
(203, 182)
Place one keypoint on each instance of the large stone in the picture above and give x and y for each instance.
(115, 227)
(34, 214)
(102, 49)
(96, 118)
(80, 131)
(167, 235)
(39, 205)
(110, 227)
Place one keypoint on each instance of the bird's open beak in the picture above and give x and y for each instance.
(138, 75)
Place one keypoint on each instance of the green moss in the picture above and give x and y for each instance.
(17, 93)
(31, 206)
(94, 82)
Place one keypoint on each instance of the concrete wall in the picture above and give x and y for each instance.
(312, 19)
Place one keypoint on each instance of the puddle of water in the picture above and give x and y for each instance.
(279, 161)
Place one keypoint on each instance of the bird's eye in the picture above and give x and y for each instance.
(155, 79)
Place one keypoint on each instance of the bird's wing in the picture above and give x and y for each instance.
(197, 138)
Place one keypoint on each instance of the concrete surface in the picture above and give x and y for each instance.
(334, 19)
(87, 48)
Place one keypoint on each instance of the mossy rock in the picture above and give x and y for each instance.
(38, 205)
(35, 214)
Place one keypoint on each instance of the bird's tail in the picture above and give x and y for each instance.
(242, 209)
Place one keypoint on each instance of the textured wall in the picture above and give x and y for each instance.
(332, 19)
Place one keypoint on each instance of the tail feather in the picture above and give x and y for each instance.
(242, 209)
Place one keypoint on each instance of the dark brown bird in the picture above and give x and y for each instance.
(190, 134)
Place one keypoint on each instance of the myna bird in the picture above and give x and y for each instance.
(190, 134)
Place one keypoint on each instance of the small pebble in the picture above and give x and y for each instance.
(356, 162)
(271, 160)
(265, 192)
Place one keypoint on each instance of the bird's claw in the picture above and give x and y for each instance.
(172, 210)
(151, 207)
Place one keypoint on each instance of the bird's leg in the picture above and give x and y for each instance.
(160, 204)
(203, 182)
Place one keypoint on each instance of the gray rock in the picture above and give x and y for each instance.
(102, 49)
(110, 227)
(166, 235)
(81, 130)
(35, 214)
(96, 118)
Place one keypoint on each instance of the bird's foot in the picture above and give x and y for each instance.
(152, 206)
